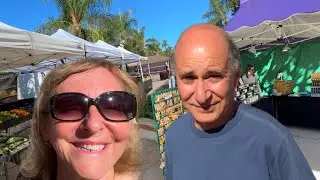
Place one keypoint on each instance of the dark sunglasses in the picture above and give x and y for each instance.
(115, 106)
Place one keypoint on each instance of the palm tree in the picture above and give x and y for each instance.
(153, 46)
(164, 44)
(136, 42)
(233, 5)
(125, 23)
(74, 15)
(219, 10)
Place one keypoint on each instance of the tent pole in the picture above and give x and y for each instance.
(149, 69)
(141, 70)
(85, 51)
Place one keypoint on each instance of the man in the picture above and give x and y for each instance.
(220, 139)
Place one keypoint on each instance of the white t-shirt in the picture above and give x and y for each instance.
(250, 79)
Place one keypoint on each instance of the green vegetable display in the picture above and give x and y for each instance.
(6, 116)
(11, 145)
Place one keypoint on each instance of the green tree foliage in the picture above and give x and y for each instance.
(220, 10)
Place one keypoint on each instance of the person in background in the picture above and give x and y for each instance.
(249, 77)
(219, 138)
(84, 125)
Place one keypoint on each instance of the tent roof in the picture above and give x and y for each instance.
(19, 47)
(254, 12)
(126, 55)
(289, 22)
(129, 56)
(295, 29)
(92, 50)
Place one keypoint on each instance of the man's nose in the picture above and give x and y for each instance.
(202, 93)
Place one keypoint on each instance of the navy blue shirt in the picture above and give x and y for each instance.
(251, 146)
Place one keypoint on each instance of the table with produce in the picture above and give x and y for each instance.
(13, 143)
(14, 114)
(14, 133)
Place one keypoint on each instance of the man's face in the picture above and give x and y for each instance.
(205, 81)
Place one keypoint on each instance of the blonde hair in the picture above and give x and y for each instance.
(40, 162)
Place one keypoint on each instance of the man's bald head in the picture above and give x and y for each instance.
(210, 37)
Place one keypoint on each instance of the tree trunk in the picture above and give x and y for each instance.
(76, 27)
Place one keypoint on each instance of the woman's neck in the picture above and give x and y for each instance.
(67, 174)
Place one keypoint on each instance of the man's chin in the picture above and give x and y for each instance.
(205, 118)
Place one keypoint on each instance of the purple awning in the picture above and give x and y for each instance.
(254, 12)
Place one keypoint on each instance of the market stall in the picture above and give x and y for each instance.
(283, 46)
(167, 107)
(15, 123)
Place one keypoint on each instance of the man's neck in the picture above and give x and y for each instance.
(217, 125)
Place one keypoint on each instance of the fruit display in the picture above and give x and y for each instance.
(167, 107)
(10, 145)
(20, 112)
(13, 114)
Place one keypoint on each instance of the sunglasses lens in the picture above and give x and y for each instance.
(118, 106)
(70, 107)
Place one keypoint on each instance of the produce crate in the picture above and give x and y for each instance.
(315, 77)
(284, 87)
(15, 117)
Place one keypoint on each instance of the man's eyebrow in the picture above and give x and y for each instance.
(186, 74)
(214, 72)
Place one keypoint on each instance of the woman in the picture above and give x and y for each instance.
(84, 125)
(249, 77)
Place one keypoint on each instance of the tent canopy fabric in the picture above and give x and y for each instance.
(289, 22)
(20, 48)
(126, 56)
(92, 50)
(129, 56)
(254, 12)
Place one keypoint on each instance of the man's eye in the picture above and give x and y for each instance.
(216, 76)
(188, 77)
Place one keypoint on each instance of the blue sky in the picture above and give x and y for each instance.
(164, 19)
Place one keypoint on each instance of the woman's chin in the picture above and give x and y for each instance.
(94, 172)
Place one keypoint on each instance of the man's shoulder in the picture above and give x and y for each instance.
(263, 123)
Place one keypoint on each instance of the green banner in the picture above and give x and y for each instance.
(297, 64)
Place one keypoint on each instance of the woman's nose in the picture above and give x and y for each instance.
(94, 122)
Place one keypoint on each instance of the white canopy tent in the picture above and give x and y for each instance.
(20, 48)
(92, 50)
(294, 29)
(127, 56)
